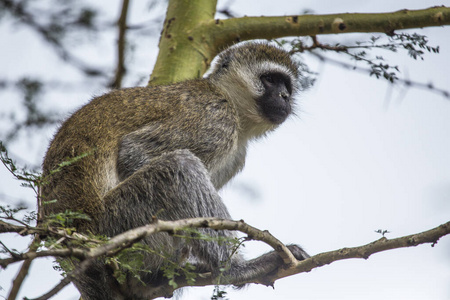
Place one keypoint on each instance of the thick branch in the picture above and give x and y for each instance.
(231, 30)
(178, 59)
(188, 45)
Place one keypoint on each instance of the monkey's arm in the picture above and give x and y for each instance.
(214, 143)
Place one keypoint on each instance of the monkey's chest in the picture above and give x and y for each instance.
(217, 149)
(226, 166)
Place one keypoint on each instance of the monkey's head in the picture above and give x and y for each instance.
(261, 79)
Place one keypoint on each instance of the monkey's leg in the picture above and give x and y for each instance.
(175, 186)
(172, 186)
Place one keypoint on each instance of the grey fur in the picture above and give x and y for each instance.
(165, 151)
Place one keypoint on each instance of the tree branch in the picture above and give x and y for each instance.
(68, 252)
(22, 230)
(23, 272)
(65, 281)
(319, 260)
(383, 244)
(291, 265)
(227, 32)
(180, 57)
(190, 41)
(406, 82)
(121, 43)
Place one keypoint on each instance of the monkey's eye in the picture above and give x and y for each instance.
(268, 79)
(273, 80)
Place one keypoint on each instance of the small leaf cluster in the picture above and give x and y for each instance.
(9, 213)
(27, 178)
(66, 219)
(172, 270)
(219, 293)
(130, 261)
(307, 76)
(70, 161)
(382, 231)
(415, 45)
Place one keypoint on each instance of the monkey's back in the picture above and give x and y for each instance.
(89, 141)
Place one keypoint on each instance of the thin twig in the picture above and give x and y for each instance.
(65, 281)
(67, 252)
(344, 49)
(23, 272)
(406, 82)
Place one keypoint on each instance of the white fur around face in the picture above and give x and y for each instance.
(237, 73)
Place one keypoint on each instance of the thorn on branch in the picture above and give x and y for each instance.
(339, 25)
(438, 18)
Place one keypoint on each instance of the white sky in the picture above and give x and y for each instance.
(346, 166)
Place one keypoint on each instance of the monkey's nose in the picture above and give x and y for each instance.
(284, 95)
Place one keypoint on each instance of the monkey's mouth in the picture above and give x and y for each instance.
(276, 114)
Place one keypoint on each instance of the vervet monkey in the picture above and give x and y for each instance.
(165, 151)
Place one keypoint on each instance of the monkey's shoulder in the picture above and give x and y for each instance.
(193, 97)
(181, 91)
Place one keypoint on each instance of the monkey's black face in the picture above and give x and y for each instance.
(275, 104)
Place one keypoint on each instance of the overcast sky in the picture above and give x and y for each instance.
(361, 155)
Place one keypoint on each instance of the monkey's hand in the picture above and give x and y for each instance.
(298, 252)
(261, 269)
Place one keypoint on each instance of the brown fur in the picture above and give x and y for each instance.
(165, 151)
